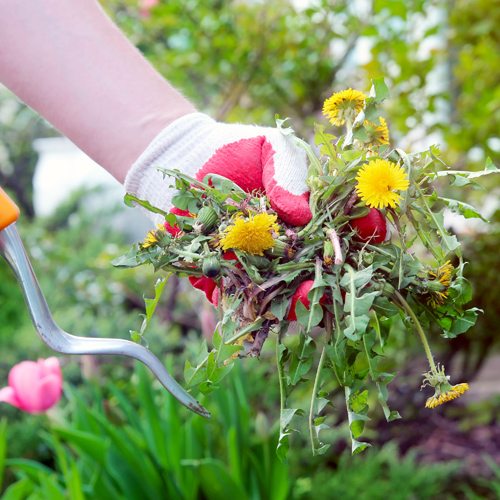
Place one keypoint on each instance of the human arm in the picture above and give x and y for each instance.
(71, 64)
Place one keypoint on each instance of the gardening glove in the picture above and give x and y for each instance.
(255, 158)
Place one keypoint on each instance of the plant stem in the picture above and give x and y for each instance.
(334, 238)
(457, 251)
(235, 270)
(181, 269)
(316, 379)
(306, 228)
(351, 202)
(376, 248)
(232, 277)
(190, 255)
(423, 338)
(292, 266)
(312, 226)
(268, 298)
(306, 249)
(281, 378)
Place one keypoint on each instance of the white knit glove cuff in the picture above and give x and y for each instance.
(189, 143)
(174, 147)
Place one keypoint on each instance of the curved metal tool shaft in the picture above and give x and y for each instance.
(12, 249)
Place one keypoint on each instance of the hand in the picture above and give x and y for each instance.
(255, 158)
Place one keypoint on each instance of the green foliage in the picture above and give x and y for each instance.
(150, 309)
(443, 78)
(138, 444)
(239, 427)
(151, 453)
(3, 448)
(473, 347)
(440, 59)
(378, 475)
(215, 52)
(492, 485)
(87, 297)
(388, 277)
(10, 298)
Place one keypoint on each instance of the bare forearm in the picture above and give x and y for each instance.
(69, 62)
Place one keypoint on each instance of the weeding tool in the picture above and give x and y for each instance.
(12, 250)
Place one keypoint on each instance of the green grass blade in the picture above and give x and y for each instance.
(19, 490)
(94, 446)
(216, 483)
(50, 488)
(234, 456)
(30, 467)
(153, 430)
(3, 448)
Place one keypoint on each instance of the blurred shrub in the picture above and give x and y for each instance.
(377, 474)
(471, 349)
(70, 254)
(490, 487)
(138, 443)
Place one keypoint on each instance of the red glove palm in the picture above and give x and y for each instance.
(255, 158)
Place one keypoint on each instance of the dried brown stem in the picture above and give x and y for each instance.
(230, 268)
(232, 277)
(334, 238)
(268, 298)
(351, 202)
(260, 338)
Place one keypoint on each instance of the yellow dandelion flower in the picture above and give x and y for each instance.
(344, 106)
(438, 286)
(154, 236)
(446, 392)
(437, 299)
(377, 134)
(442, 274)
(377, 182)
(252, 235)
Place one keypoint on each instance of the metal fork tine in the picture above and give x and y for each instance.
(12, 249)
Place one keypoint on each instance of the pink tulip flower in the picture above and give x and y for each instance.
(34, 386)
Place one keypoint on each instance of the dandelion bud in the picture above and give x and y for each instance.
(205, 220)
(368, 258)
(164, 238)
(435, 286)
(328, 253)
(280, 249)
(211, 266)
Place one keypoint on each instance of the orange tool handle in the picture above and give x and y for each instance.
(9, 212)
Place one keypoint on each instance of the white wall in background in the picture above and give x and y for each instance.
(62, 168)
